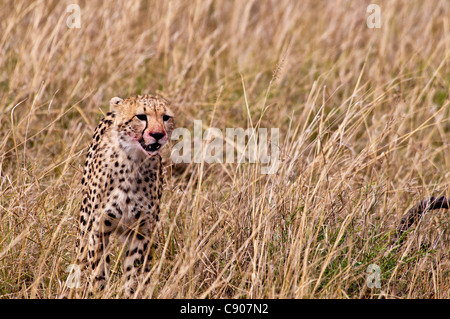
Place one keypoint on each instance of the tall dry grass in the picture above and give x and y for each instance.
(365, 133)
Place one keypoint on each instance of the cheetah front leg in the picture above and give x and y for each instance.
(98, 260)
(138, 260)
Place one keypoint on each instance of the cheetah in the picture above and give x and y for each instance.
(122, 187)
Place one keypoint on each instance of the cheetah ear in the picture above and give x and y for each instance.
(115, 101)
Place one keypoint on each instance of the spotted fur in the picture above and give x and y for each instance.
(121, 188)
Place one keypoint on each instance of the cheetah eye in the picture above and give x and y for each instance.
(166, 118)
(142, 117)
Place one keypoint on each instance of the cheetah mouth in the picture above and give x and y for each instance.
(150, 148)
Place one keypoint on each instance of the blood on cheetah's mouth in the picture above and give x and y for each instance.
(150, 148)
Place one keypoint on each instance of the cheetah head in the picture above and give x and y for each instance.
(144, 123)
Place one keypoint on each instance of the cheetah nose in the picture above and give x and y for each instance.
(157, 135)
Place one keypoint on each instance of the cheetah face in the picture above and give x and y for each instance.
(144, 123)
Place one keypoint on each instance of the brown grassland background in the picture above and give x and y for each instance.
(364, 134)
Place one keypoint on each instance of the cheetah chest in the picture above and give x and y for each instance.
(134, 196)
